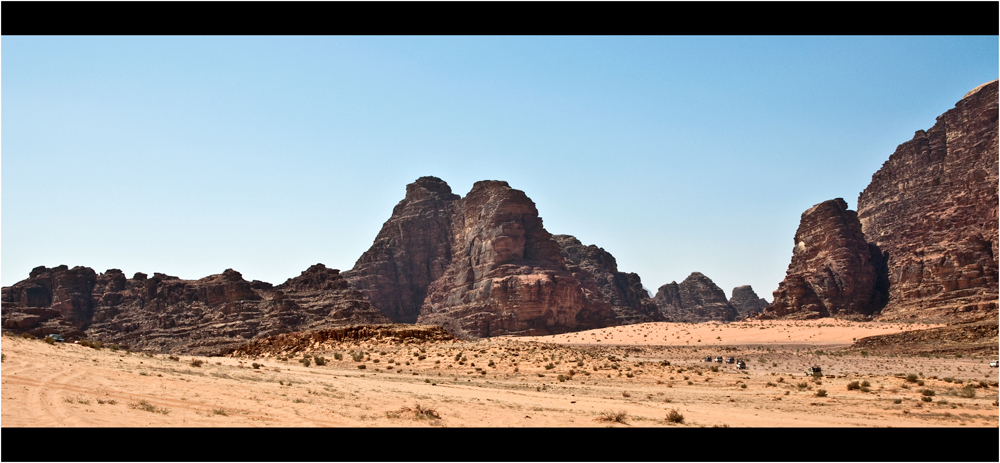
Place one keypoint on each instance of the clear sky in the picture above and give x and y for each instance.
(191, 155)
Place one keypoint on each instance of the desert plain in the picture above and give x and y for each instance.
(644, 375)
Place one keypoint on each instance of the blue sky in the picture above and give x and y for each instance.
(190, 155)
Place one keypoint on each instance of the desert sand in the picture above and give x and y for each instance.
(646, 375)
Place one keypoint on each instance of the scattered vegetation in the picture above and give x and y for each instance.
(196, 362)
(148, 407)
(620, 416)
(674, 416)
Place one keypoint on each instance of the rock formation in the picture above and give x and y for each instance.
(412, 250)
(629, 300)
(932, 209)
(482, 265)
(167, 314)
(833, 268)
(507, 275)
(746, 302)
(696, 299)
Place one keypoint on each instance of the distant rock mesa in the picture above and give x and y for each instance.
(166, 314)
(695, 300)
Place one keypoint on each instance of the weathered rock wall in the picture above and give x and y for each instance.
(932, 210)
(624, 291)
(167, 314)
(507, 275)
(412, 250)
(833, 269)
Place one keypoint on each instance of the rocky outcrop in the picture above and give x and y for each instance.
(482, 265)
(624, 291)
(291, 343)
(167, 314)
(833, 268)
(746, 302)
(696, 299)
(412, 250)
(932, 210)
(507, 275)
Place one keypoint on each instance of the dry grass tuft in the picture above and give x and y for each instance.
(621, 416)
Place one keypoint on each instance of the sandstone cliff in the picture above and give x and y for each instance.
(167, 314)
(629, 300)
(696, 299)
(833, 269)
(412, 250)
(746, 302)
(932, 209)
(482, 265)
(507, 275)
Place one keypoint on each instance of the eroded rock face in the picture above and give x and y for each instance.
(412, 250)
(696, 299)
(624, 291)
(833, 268)
(932, 209)
(746, 302)
(482, 265)
(166, 314)
(507, 275)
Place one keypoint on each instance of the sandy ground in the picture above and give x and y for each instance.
(611, 377)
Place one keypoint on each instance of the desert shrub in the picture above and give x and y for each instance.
(358, 356)
(256, 366)
(770, 384)
(920, 382)
(926, 399)
(911, 378)
(620, 416)
(196, 362)
(361, 367)
(927, 392)
(320, 361)
(338, 356)
(742, 386)
(174, 358)
(804, 385)
(821, 393)
(549, 366)
(674, 416)
(148, 407)
(948, 379)
(897, 401)
(27, 336)
(781, 380)
(626, 394)
(305, 361)
(853, 385)
(714, 369)
(220, 411)
(967, 392)
(562, 379)
(48, 340)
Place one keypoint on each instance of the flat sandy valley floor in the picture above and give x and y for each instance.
(647, 375)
